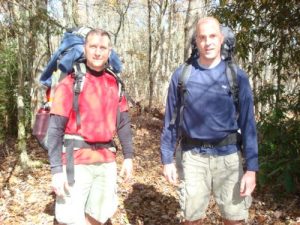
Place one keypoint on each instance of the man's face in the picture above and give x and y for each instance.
(209, 40)
(97, 50)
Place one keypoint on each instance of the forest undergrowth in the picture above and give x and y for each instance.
(26, 197)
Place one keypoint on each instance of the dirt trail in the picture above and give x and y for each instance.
(26, 198)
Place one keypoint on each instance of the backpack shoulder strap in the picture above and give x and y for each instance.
(184, 76)
(79, 78)
(182, 81)
(120, 83)
(231, 73)
(122, 93)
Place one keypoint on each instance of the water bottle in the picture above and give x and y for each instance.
(41, 123)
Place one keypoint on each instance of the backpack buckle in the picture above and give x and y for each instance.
(207, 145)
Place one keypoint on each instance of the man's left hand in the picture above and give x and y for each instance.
(127, 169)
(248, 183)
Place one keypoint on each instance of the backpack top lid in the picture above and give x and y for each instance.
(227, 48)
(80, 31)
(71, 51)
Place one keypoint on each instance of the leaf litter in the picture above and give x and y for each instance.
(147, 199)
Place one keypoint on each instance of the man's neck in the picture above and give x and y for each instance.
(94, 72)
(96, 69)
(209, 65)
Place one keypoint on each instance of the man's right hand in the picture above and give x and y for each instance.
(60, 184)
(170, 173)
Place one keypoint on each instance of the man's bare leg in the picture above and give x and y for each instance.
(233, 222)
(91, 221)
(195, 222)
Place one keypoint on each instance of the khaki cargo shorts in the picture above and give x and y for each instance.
(94, 193)
(203, 174)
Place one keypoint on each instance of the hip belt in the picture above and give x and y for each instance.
(231, 139)
(73, 142)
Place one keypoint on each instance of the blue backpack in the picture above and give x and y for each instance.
(69, 52)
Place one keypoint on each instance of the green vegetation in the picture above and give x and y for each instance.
(8, 86)
(268, 46)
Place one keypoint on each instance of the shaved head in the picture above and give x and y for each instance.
(209, 39)
(209, 20)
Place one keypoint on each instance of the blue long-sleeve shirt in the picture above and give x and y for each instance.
(210, 113)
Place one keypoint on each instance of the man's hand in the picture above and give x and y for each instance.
(170, 173)
(60, 184)
(248, 183)
(127, 169)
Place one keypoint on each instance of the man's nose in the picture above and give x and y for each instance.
(98, 51)
(208, 41)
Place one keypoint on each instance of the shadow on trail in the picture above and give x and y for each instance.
(146, 206)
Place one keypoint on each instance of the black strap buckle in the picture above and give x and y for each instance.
(207, 145)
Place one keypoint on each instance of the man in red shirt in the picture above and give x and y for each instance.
(82, 155)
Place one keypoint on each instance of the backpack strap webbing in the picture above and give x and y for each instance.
(121, 87)
(182, 92)
(231, 73)
(120, 83)
(79, 77)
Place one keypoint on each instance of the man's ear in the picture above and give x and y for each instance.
(222, 38)
(109, 52)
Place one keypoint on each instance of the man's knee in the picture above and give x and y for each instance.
(195, 222)
(91, 221)
(233, 222)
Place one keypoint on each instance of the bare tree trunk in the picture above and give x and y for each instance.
(68, 13)
(169, 55)
(21, 146)
(26, 23)
(122, 13)
(82, 12)
(150, 55)
(75, 13)
(279, 79)
(196, 9)
(187, 31)
(157, 46)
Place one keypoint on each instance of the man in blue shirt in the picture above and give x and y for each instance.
(209, 154)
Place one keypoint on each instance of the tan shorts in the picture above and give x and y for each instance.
(94, 193)
(202, 174)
